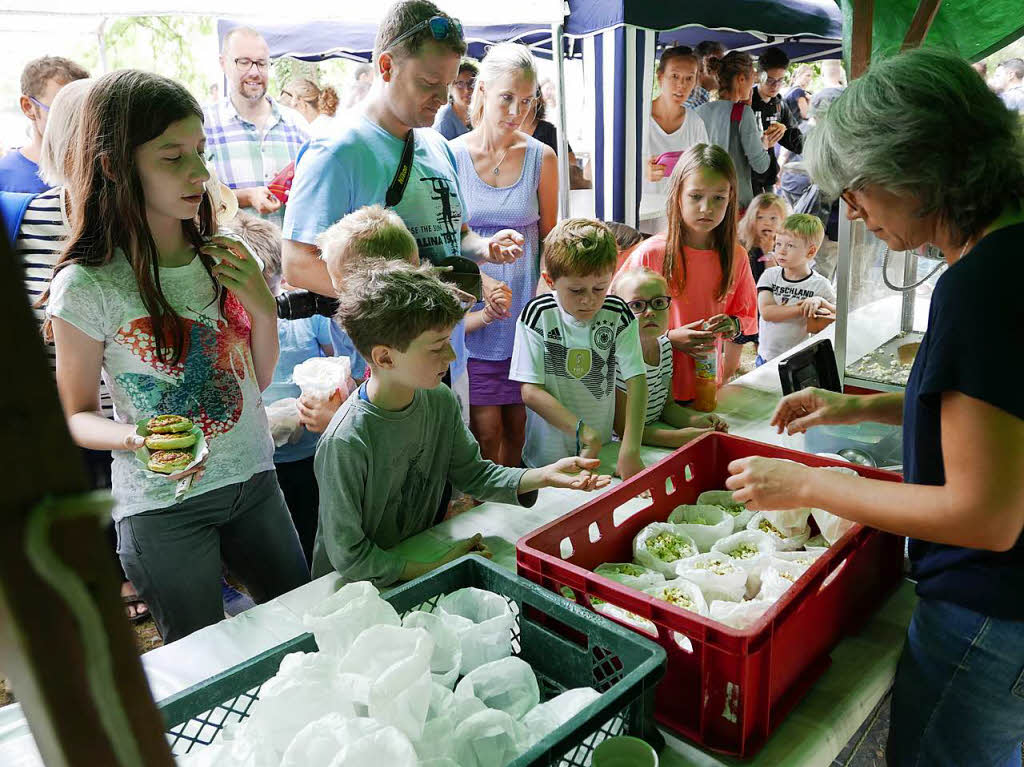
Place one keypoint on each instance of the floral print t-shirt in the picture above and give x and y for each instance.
(214, 382)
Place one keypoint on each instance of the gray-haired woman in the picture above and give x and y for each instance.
(923, 152)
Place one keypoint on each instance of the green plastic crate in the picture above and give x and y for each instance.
(567, 646)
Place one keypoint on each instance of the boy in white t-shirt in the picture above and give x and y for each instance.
(568, 344)
(794, 300)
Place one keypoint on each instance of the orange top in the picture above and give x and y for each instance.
(698, 299)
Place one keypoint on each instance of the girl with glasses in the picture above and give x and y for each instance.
(666, 424)
(453, 118)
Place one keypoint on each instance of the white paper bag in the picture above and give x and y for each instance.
(704, 523)
(446, 659)
(746, 547)
(739, 615)
(660, 545)
(723, 498)
(788, 539)
(681, 593)
(550, 715)
(490, 738)
(482, 621)
(339, 619)
(508, 685)
(718, 576)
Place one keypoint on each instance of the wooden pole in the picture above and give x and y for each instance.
(68, 648)
(860, 36)
(921, 23)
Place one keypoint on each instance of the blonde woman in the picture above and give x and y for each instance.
(316, 105)
(508, 179)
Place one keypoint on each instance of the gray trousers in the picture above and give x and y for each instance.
(174, 555)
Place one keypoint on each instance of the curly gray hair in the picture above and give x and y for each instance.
(923, 123)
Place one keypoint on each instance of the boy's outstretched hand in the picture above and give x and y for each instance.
(575, 473)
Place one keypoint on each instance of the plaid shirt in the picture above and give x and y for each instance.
(241, 156)
(698, 97)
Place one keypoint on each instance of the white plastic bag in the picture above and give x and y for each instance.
(817, 544)
(789, 522)
(630, 619)
(777, 578)
(739, 615)
(447, 656)
(437, 740)
(320, 377)
(508, 685)
(489, 738)
(483, 623)
(723, 499)
(285, 426)
(704, 523)
(718, 576)
(548, 716)
(832, 527)
(384, 746)
(660, 545)
(306, 687)
(629, 574)
(681, 593)
(339, 619)
(785, 540)
(746, 547)
(319, 742)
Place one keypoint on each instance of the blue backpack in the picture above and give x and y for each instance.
(12, 207)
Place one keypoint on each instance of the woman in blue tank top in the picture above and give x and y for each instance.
(508, 179)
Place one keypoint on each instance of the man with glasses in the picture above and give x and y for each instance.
(770, 108)
(250, 137)
(40, 81)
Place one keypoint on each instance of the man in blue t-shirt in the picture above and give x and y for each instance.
(40, 81)
(416, 55)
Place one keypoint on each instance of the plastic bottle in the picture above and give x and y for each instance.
(706, 398)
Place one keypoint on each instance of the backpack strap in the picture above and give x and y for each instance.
(737, 112)
(13, 206)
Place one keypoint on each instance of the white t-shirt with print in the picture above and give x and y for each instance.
(214, 383)
(576, 363)
(659, 381)
(776, 338)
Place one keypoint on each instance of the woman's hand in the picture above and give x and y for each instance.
(497, 297)
(575, 473)
(722, 324)
(692, 339)
(590, 442)
(628, 464)
(316, 412)
(799, 411)
(655, 170)
(505, 246)
(709, 421)
(767, 483)
(238, 271)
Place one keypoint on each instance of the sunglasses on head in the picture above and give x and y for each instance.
(441, 27)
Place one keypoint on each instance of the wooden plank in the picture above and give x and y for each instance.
(42, 651)
(921, 23)
(860, 36)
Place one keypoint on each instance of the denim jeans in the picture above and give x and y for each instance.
(958, 699)
(174, 556)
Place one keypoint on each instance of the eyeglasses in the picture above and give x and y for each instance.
(465, 85)
(441, 27)
(286, 95)
(39, 104)
(658, 304)
(771, 82)
(244, 65)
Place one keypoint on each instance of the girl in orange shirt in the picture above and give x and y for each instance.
(712, 290)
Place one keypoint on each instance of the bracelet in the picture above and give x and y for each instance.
(487, 320)
(579, 428)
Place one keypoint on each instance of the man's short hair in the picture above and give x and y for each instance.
(264, 240)
(391, 303)
(403, 16)
(706, 47)
(371, 232)
(579, 247)
(772, 58)
(1014, 67)
(40, 71)
(234, 32)
(805, 226)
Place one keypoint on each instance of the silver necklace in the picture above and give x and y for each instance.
(497, 168)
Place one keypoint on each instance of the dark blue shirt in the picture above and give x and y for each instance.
(975, 320)
(20, 174)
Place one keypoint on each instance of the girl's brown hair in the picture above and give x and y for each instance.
(730, 66)
(748, 224)
(124, 110)
(677, 52)
(709, 158)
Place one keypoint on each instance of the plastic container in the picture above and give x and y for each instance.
(724, 689)
(706, 383)
(567, 648)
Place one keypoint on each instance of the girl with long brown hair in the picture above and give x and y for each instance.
(709, 281)
(179, 321)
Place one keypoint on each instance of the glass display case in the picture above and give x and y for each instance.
(883, 298)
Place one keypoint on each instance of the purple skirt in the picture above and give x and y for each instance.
(489, 384)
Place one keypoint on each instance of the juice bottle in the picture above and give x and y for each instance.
(706, 398)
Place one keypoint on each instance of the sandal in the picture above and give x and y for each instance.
(132, 600)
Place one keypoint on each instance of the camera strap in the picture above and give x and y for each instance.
(401, 179)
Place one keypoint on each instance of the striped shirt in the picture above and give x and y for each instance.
(659, 381)
(40, 241)
(245, 158)
(698, 97)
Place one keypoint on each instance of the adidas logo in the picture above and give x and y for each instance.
(554, 334)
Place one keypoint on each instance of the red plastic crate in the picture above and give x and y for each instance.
(724, 689)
